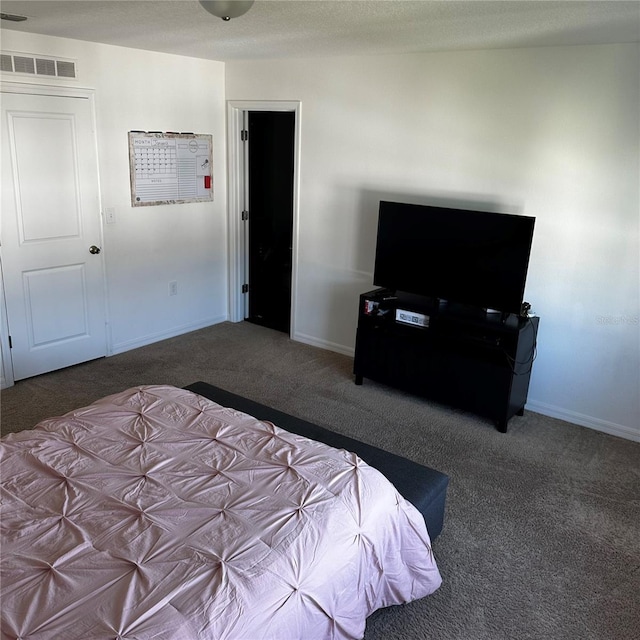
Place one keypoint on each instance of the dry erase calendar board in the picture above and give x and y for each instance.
(170, 168)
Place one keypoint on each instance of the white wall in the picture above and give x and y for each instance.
(551, 133)
(149, 246)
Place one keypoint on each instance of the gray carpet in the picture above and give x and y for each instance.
(542, 531)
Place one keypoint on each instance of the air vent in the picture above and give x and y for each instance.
(7, 63)
(22, 63)
(66, 69)
(45, 67)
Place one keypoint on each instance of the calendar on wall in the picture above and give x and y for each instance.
(170, 168)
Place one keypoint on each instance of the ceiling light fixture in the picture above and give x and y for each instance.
(227, 9)
(12, 18)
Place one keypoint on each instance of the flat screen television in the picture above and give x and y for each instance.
(472, 258)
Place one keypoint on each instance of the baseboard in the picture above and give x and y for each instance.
(164, 335)
(551, 411)
(323, 344)
(582, 420)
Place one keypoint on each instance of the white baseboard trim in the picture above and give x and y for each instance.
(164, 335)
(323, 344)
(573, 417)
(582, 420)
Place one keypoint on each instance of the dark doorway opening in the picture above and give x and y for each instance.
(270, 194)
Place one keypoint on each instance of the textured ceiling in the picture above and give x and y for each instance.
(310, 28)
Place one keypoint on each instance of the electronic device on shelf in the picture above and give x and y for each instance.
(412, 317)
(474, 258)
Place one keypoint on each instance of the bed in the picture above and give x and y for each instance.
(423, 487)
(159, 513)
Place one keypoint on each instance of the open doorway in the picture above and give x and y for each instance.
(263, 140)
(270, 165)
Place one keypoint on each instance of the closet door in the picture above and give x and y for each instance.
(51, 233)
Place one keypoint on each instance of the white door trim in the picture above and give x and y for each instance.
(236, 190)
(47, 90)
(26, 88)
(6, 364)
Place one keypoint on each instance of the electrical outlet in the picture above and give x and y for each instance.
(173, 288)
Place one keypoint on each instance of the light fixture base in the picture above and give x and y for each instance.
(227, 9)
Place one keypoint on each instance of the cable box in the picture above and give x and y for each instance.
(412, 317)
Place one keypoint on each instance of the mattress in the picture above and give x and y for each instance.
(156, 513)
(423, 487)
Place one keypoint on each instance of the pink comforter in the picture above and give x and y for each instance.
(155, 513)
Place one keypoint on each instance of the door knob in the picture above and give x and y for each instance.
(93, 249)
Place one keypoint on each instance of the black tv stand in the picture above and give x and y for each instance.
(471, 359)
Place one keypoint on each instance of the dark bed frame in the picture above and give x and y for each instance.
(425, 488)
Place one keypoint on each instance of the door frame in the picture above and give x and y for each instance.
(236, 110)
(26, 88)
(6, 364)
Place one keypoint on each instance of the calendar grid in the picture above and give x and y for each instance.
(170, 168)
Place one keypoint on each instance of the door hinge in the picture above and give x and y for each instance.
(245, 215)
(244, 135)
(245, 288)
(10, 343)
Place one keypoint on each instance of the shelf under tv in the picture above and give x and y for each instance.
(464, 357)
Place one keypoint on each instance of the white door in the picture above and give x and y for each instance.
(50, 221)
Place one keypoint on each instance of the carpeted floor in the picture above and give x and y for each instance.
(542, 530)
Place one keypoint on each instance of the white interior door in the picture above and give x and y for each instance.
(54, 285)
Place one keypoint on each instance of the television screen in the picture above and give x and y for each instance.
(473, 258)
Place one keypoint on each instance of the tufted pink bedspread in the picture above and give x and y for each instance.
(156, 513)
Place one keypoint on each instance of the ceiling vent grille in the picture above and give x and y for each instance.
(49, 67)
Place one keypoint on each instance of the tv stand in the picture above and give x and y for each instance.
(477, 361)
